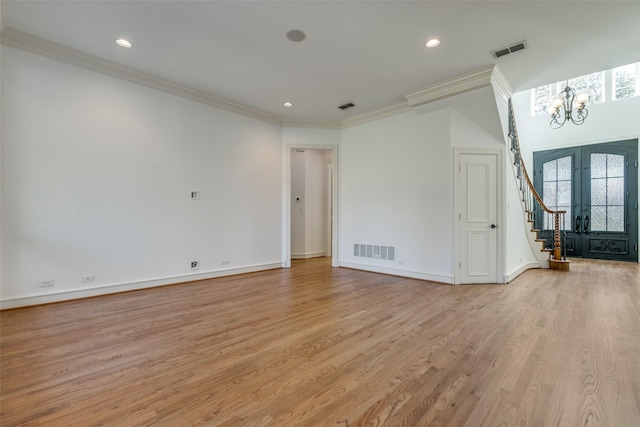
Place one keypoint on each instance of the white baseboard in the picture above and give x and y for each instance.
(396, 272)
(508, 278)
(308, 255)
(131, 286)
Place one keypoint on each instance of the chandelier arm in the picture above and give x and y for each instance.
(563, 111)
(582, 114)
(555, 123)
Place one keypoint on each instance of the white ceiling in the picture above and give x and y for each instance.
(365, 52)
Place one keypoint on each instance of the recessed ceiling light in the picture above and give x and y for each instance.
(296, 35)
(124, 43)
(288, 104)
(432, 43)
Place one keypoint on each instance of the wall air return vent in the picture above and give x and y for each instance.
(347, 105)
(374, 251)
(510, 49)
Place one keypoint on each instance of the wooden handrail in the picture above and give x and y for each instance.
(530, 189)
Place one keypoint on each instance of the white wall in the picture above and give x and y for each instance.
(315, 203)
(307, 137)
(96, 180)
(396, 190)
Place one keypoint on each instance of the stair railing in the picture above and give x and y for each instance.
(532, 201)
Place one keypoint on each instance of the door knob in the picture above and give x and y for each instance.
(493, 226)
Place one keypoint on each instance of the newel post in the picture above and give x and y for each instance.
(557, 250)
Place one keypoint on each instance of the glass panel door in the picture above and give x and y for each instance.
(610, 201)
(607, 192)
(597, 185)
(556, 178)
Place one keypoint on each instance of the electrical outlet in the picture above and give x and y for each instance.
(89, 278)
(46, 283)
(195, 195)
(194, 265)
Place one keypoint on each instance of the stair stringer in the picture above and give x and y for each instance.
(537, 247)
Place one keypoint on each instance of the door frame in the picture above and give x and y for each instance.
(500, 215)
(286, 202)
(328, 250)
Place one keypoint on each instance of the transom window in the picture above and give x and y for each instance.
(624, 83)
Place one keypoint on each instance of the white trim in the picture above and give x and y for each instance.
(391, 110)
(402, 273)
(483, 77)
(17, 39)
(508, 278)
(500, 84)
(463, 83)
(308, 255)
(131, 286)
(328, 247)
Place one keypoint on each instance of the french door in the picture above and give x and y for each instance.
(597, 185)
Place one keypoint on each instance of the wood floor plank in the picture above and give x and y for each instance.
(316, 346)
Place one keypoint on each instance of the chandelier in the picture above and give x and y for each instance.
(568, 106)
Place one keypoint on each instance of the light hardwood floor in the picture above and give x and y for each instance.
(316, 346)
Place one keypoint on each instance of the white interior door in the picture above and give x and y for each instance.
(477, 217)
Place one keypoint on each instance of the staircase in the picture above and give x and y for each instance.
(537, 213)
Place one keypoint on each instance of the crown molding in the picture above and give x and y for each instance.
(20, 40)
(482, 77)
(312, 124)
(391, 110)
(463, 83)
(500, 84)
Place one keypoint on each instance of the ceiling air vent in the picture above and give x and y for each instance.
(347, 105)
(507, 50)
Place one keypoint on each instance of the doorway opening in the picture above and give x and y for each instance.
(597, 185)
(310, 231)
